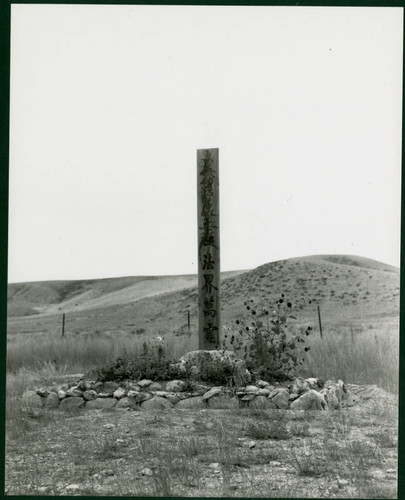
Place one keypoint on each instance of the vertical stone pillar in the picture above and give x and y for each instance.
(209, 305)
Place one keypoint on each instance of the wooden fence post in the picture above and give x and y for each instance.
(319, 319)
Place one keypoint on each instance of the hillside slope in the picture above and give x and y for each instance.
(51, 297)
(344, 287)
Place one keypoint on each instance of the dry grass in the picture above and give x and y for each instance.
(371, 358)
(56, 355)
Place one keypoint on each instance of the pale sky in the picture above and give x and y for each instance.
(110, 103)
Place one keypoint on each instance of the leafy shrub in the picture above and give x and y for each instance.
(215, 371)
(152, 364)
(264, 341)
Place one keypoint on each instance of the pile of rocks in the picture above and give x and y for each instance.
(300, 394)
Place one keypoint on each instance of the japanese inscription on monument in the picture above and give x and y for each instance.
(209, 320)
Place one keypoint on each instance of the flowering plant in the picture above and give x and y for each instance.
(265, 341)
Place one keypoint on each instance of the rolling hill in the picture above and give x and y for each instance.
(344, 287)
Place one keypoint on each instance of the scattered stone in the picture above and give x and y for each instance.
(43, 392)
(72, 487)
(90, 395)
(274, 463)
(74, 392)
(109, 426)
(391, 471)
(131, 393)
(262, 384)
(251, 444)
(222, 400)
(44, 489)
(377, 475)
(299, 386)
(248, 397)
(140, 397)
(329, 393)
(61, 394)
(192, 403)
(72, 403)
(107, 472)
(52, 401)
(251, 388)
(146, 472)
(342, 483)
(84, 385)
(280, 398)
(311, 400)
(125, 402)
(274, 392)
(104, 394)
(173, 398)
(156, 403)
(315, 383)
(119, 393)
(101, 404)
(341, 388)
(175, 386)
(264, 392)
(162, 394)
(156, 387)
(144, 383)
(214, 465)
(336, 393)
(212, 392)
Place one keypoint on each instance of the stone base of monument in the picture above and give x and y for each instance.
(300, 394)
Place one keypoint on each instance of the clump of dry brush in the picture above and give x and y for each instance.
(268, 340)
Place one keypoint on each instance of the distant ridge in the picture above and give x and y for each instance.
(354, 260)
(337, 282)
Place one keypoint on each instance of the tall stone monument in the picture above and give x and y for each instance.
(209, 304)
